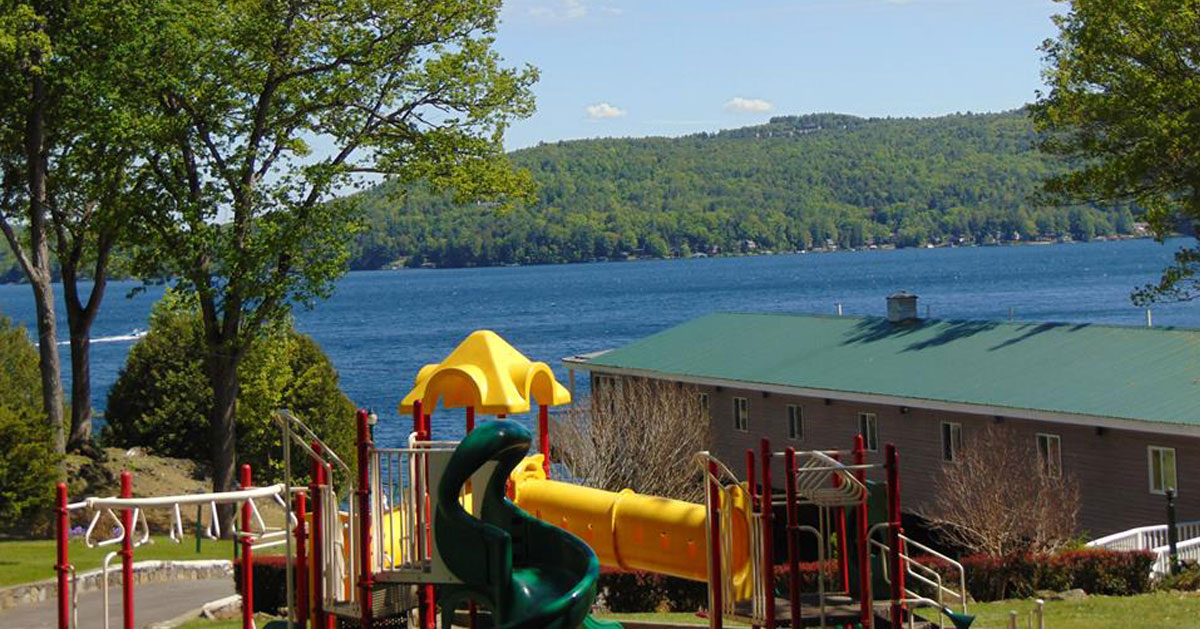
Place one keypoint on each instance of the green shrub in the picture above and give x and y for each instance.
(270, 582)
(161, 398)
(28, 462)
(1094, 570)
(637, 591)
(1187, 579)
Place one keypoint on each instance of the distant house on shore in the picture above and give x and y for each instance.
(1116, 407)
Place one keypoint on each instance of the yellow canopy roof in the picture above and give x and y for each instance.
(485, 372)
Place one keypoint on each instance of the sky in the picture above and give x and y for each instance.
(617, 68)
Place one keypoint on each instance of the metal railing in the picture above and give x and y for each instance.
(923, 574)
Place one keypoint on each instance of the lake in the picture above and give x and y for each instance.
(380, 327)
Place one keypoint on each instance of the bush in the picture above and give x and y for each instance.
(1094, 570)
(161, 398)
(270, 583)
(28, 461)
(1187, 579)
(637, 591)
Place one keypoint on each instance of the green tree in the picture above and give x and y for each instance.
(162, 401)
(28, 460)
(1124, 88)
(265, 110)
(67, 141)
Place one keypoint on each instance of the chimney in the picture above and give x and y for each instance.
(902, 307)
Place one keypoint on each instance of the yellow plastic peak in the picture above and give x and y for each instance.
(485, 372)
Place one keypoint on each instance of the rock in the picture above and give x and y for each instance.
(134, 452)
(1072, 595)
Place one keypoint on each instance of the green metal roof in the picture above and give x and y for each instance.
(1136, 373)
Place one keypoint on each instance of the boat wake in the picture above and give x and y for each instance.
(136, 334)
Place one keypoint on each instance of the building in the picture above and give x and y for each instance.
(1116, 407)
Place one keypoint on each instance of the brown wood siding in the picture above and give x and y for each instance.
(1111, 466)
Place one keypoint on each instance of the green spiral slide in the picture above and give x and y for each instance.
(530, 574)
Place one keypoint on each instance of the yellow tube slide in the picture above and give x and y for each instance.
(628, 530)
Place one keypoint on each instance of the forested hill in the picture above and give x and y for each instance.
(797, 182)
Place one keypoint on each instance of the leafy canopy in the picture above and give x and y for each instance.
(1124, 92)
(161, 399)
(28, 460)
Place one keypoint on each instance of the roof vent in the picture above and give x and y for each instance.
(902, 307)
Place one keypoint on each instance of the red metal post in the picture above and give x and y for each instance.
(793, 533)
(472, 609)
(301, 561)
(752, 484)
(544, 436)
(366, 580)
(715, 579)
(318, 540)
(247, 557)
(843, 558)
(768, 516)
(127, 552)
(864, 548)
(63, 567)
(896, 565)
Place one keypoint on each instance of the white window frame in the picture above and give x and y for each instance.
(741, 414)
(1053, 469)
(1151, 451)
(795, 422)
(870, 437)
(951, 441)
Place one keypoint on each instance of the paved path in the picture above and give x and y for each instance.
(153, 602)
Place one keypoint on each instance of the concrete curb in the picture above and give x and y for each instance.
(143, 572)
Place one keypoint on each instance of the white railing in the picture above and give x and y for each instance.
(1146, 537)
(1188, 550)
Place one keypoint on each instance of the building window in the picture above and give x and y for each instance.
(1050, 454)
(795, 422)
(869, 429)
(951, 441)
(704, 405)
(1162, 469)
(741, 416)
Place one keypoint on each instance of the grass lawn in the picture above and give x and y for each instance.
(1160, 610)
(26, 561)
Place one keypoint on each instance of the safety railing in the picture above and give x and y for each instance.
(402, 504)
(1146, 537)
(923, 574)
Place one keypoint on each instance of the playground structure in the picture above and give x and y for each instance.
(479, 524)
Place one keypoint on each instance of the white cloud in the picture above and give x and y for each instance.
(567, 10)
(604, 111)
(748, 105)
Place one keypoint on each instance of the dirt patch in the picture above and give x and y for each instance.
(99, 475)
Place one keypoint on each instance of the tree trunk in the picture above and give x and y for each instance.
(222, 377)
(38, 268)
(80, 318)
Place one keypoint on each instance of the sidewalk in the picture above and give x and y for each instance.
(153, 602)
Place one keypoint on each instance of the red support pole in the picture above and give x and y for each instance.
(843, 558)
(127, 553)
(63, 567)
(472, 609)
(247, 557)
(768, 516)
(752, 484)
(544, 436)
(715, 579)
(866, 614)
(301, 561)
(793, 533)
(366, 579)
(319, 620)
(895, 566)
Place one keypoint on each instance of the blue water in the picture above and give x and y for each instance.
(380, 327)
